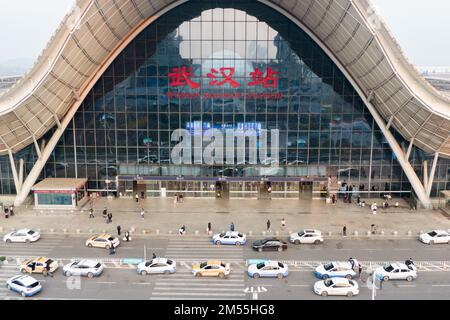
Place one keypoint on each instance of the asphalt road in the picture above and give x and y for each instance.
(121, 281)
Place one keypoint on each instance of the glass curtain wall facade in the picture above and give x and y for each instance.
(224, 65)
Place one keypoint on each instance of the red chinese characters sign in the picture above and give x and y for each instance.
(183, 76)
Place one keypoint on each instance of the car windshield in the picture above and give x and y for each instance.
(301, 233)
(432, 234)
(98, 265)
(389, 268)
(240, 235)
(328, 283)
(202, 265)
(30, 232)
(222, 265)
(260, 265)
(49, 262)
(110, 238)
(222, 235)
(280, 265)
(169, 262)
(34, 284)
(328, 266)
(148, 263)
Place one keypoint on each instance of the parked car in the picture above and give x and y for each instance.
(396, 271)
(42, 265)
(306, 236)
(335, 270)
(87, 268)
(229, 237)
(25, 285)
(211, 268)
(336, 287)
(271, 244)
(271, 269)
(22, 235)
(103, 241)
(157, 265)
(435, 236)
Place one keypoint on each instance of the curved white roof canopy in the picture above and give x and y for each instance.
(92, 35)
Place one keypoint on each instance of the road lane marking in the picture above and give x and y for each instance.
(198, 289)
(106, 282)
(197, 294)
(197, 284)
(406, 285)
(299, 285)
(145, 283)
(440, 285)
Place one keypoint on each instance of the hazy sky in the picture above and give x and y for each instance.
(421, 27)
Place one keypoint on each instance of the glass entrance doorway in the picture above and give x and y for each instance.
(305, 190)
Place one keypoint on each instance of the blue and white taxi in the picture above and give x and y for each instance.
(396, 271)
(335, 270)
(25, 285)
(157, 266)
(268, 269)
(229, 237)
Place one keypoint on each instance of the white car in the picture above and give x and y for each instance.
(87, 268)
(157, 265)
(269, 269)
(229, 237)
(335, 270)
(396, 271)
(22, 235)
(336, 287)
(25, 285)
(306, 236)
(435, 236)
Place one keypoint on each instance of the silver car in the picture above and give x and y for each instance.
(86, 268)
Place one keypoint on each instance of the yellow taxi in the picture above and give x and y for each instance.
(42, 265)
(211, 269)
(104, 240)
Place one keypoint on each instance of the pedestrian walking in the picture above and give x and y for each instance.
(232, 226)
(344, 230)
(182, 230)
(409, 262)
(154, 255)
(373, 228)
(268, 225)
(127, 236)
(109, 217)
(333, 199)
(208, 228)
(11, 210)
(6, 212)
(104, 212)
(142, 213)
(112, 250)
(283, 224)
(137, 198)
(91, 213)
(118, 230)
(359, 270)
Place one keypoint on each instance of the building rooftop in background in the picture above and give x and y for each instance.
(8, 82)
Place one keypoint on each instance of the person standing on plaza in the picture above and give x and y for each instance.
(11, 210)
(137, 198)
(119, 228)
(91, 213)
(268, 225)
(232, 226)
(109, 217)
(142, 213)
(344, 230)
(208, 229)
(283, 224)
(105, 212)
(359, 270)
(127, 236)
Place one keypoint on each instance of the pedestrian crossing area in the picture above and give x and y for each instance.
(183, 285)
(6, 272)
(43, 247)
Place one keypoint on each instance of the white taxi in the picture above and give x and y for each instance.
(396, 271)
(306, 236)
(157, 265)
(336, 287)
(229, 237)
(335, 270)
(22, 235)
(269, 269)
(435, 236)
